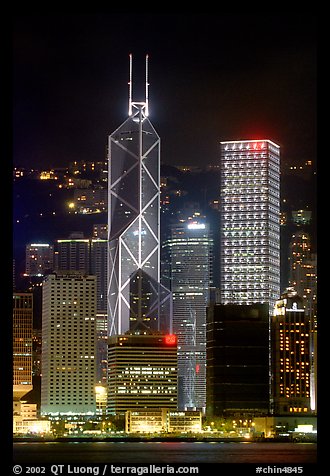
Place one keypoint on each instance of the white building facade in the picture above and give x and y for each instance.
(68, 345)
(250, 222)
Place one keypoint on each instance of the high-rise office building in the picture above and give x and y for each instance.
(22, 344)
(68, 345)
(303, 278)
(73, 254)
(39, 259)
(136, 298)
(89, 255)
(142, 372)
(237, 347)
(291, 356)
(250, 222)
(303, 271)
(189, 248)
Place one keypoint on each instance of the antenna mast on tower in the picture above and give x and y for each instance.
(131, 103)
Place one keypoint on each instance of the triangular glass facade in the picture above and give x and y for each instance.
(136, 299)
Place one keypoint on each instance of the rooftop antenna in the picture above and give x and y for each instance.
(130, 87)
(144, 104)
(147, 88)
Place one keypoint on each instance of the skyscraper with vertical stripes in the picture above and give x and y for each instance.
(250, 222)
(190, 252)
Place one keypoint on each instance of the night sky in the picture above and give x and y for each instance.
(212, 77)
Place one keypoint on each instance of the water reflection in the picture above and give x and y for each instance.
(165, 452)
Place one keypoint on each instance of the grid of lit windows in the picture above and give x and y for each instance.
(250, 226)
(142, 372)
(22, 343)
(68, 344)
(291, 351)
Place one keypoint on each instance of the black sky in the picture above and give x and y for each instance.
(212, 77)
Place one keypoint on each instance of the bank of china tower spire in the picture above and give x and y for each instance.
(137, 301)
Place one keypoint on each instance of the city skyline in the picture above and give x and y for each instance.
(242, 78)
(212, 78)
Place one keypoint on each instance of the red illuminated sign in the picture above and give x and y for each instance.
(170, 339)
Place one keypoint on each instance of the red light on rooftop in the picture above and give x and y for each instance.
(170, 339)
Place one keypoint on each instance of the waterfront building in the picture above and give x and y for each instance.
(291, 386)
(39, 259)
(250, 222)
(299, 427)
(142, 372)
(101, 398)
(189, 248)
(22, 344)
(26, 411)
(68, 345)
(146, 420)
(188, 421)
(32, 426)
(136, 298)
(163, 420)
(237, 349)
(25, 420)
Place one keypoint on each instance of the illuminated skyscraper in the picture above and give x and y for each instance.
(189, 249)
(22, 344)
(303, 278)
(89, 256)
(142, 372)
(250, 222)
(136, 299)
(291, 356)
(68, 344)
